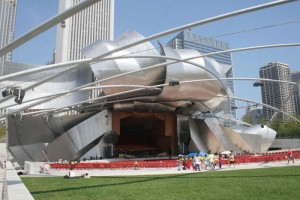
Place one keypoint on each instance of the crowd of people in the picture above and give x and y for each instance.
(204, 161)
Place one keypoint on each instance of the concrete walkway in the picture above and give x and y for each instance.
(158, 171)
(12, 187)
(15, 187)
(3, 158)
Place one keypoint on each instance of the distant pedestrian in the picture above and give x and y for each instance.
(220, 160)
(231, 159)
(206, 162)
(135, 165)
(211, 158)
(197, 163)
(178, 164)
(184, 163)
(290, 156)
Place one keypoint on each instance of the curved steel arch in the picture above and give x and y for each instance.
(46, 25)
(124, 57)
(237, 98)
(246, 79)
(90, 60)
(86, 61)
(93, 83)
(266, 105)
(170, 31)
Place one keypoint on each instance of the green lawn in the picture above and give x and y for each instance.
(269, 183)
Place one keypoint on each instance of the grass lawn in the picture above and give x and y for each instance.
(269, 183)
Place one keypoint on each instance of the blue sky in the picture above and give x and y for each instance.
(150, 17)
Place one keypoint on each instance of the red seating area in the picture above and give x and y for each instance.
(268, 157)
(128, 164)
(116, 165)
(59, 166)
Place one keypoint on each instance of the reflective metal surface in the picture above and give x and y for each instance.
(75, 136)
(114, 67)
(208, 135)
(78, 140)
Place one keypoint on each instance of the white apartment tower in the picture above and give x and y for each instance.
(7, 27)
(274, 93)
(75, 33)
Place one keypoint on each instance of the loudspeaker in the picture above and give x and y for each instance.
(18, 92)
(174, 82)
(185, 137)
(18, 100)
(6, 93)
(19, 95)
(109, 153)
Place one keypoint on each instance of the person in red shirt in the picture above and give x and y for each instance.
(220, 159)
(290, 156)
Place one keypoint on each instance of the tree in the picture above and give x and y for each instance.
(2, 131)
(286, 129)
(247, 118)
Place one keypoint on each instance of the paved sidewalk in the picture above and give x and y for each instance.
(3, 157)
(14, 182)
(157, 171)
(11, 184)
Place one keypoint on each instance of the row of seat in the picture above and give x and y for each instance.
(266, 157)
(170, 163)
(116, 165)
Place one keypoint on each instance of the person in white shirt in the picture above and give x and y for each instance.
(197, 163)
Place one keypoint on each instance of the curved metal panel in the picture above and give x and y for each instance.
(25, 130)
(32, 152)
(205, 91)
(142, 107)
(78, 140)
(267, 135)
(209, 135)
(198, 141)
(68, 81)
(242, 142)
(110, 68)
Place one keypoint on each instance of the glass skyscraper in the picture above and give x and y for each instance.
(189, 40)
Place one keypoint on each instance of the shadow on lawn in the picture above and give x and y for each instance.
(144, 179)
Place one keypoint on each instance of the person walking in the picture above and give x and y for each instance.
(178, 164)
(206, 161)
(231, 159)
(135, 165)
(220, 160)
(184, 163)
(290, 156)
(211, 158)
(197, 163)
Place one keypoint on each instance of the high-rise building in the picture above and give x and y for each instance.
(274, 93)
(7, 27)
(75, 33)
(189, 40)
(296, 78)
